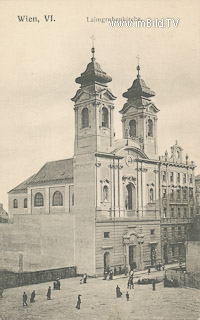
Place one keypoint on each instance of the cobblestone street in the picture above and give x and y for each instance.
(99, 302)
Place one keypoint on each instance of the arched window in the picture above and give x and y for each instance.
(73, 199)
(151, 195)
(132, 125)
(15, 204)
(105, 193)
(38, 200)
(105, 117)
(25, 203)
(57, 199)
(85, 118)
(129, 202)
(150, 128)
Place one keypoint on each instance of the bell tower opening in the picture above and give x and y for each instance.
(139, 116)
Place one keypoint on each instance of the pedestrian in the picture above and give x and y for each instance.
(111, 274)
(149, 270)
(25, 299)
(128, 283)
(49, 294)
(32, 299)
(127, 296)
(78, 305)
(154, 285)
(85, 278)
(118, 292)
(1, 291)
(131, 285)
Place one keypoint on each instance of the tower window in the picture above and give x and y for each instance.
(171, 194)
(184, 178)
(152, 232)
(15, 204)
(105, 117)
(172, 212)
(132, 125)
(179, 231)
(178, 177)
(191, 180)
(105, 193)
(25, 203)
(57, 199)
(38, 200)
(165, 212)
(171, 176)
(184, 194)
(179, 212)
(178, 194)
(185, 212)
(164, 193)
(165, 232)
(150, 128)
(173, 231)
(85, 118)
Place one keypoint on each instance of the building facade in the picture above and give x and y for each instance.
(131, 207)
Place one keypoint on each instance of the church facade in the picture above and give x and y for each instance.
(131, 207)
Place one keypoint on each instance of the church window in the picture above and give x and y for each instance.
(179, 231)
(132, 125)
(172, 212)
(171, 176)
(25, 203)
(151, 195)
(105, 117)
(57, 199)
(38, 200)
(173, 250)
(165, 232)
(85, 118)
(105, 193)
(184, 178)
(73, 199)
(179, 212)
(15, 204)
(178, 177)
(190, 178)
(191, 212)
(173, 231)
(129, 202)
(150, 128)
(178, 194)
(165, 212)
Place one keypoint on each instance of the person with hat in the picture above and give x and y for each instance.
(32, 299)
(78, 305)
(25, 299)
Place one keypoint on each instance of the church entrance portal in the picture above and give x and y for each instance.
(106, 260)
(132, 256)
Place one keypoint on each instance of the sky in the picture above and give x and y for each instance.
(39, 62)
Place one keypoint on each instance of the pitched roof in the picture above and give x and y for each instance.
(59, 171)
(54, 171)
(22, 187)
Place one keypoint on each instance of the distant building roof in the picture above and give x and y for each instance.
(59, 171)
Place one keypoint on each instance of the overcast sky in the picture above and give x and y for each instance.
(40, 61)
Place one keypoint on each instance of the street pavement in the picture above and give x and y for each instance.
(99, 301)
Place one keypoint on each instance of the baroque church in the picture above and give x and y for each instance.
(130, 206)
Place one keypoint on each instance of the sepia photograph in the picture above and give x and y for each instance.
(100, 160)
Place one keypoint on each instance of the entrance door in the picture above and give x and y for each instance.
(165, 254)
(153, 255)
(106, 260)
(132, 257)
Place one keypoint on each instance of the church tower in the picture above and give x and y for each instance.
(93, 134)
(93, 110)
(139, 116)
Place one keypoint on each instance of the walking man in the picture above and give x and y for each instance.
(25, 299)
(49, 294)
(78, 305)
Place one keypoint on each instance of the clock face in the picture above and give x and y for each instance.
(129, 160)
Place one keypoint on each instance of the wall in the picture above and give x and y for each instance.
(193, 256)
(37, 242)
(20, 198)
